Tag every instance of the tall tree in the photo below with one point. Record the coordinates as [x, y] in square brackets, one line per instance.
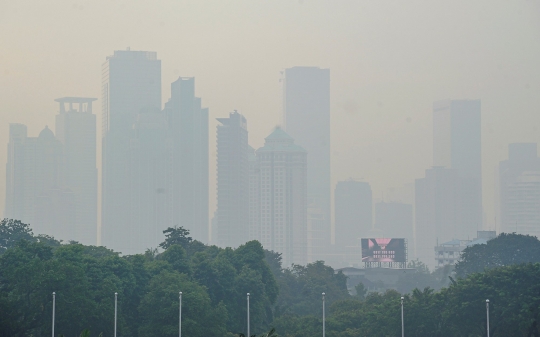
[12, 231]
[505, 250]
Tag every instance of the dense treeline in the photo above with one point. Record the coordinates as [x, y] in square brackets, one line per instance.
[214, 282]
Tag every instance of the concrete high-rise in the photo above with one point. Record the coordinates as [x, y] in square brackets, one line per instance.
[457, 145]
[519, 190]
[437, 211]
[34, 190]
[149, 176]
[254, 196]
[76, 131]
[307, 119]
[354, 212]
[283, 197]
[131, 84]
[188, 134]
[232, 181]
[395, 220]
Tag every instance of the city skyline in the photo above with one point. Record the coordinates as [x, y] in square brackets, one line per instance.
[384, 76]
[455, 122]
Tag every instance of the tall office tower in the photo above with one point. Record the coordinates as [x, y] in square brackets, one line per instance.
[317, 235]
[457, 145]
[188, 133]
[232, 181]
[519, 190]
[354, 212]
[131, 85]
[149, 181]
[307, 120]
[76, 130]
[283, 197]
[34, 191]
[395, 220]
[254, 196]
[437, 211]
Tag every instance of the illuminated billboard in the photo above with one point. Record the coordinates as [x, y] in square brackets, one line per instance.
[383, 250]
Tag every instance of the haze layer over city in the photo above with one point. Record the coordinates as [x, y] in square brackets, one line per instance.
[270, 168]
[387, 62]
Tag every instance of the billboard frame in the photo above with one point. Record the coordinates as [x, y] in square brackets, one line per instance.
[393, 265]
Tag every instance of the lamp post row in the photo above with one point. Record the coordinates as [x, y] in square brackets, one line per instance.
[248, 322]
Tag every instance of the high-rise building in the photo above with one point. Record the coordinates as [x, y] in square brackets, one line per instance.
[149, 181]
[436, 210]
[307, 119]
[354, 212]
[188, 133]
[76, 131]
[283, 197]
[254, 196]
[394, 220]
[232, 181]
[457, 145]
[131, 84]
[34, 190]
[519, 190]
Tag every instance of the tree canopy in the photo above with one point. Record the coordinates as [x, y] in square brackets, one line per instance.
[214, 282]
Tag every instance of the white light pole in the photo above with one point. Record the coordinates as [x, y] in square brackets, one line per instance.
[487, 313]
[115, 311]
[402, 324]
[180, 315]
[248, 335]
[323, 317]
[53, 310]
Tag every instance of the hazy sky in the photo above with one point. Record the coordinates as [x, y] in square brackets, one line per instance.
[389, 61]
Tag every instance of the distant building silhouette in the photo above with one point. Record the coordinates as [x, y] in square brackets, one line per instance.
[35, 193]
[283, 197]
[254, 196]
[76, 131]
[457, 145]
[131, 86]
[395, 220]
[353, 212]
[519, 190]
[232, 181]
[188, 134]
[149, 181]
[307, 119]
[437, 210]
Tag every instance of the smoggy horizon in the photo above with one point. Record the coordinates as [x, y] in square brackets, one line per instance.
[389, 62]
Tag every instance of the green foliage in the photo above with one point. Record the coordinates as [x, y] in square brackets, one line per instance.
[176, 236]
[215, 281]
[159, 308]
[361, 291]
[423, 278]
[11, 232]
[505, 250]
[301, 289]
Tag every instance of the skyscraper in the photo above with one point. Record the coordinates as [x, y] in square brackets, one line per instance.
[395, 220]
[457, 145]
[283, 197]
[307, 119]
[76, 131]
[254, 196]
[34, 191]
[354, 212]
[232, 181]
[188, 133]
[437, 212]
[519, 190]
[131, 85]
[149, 176]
